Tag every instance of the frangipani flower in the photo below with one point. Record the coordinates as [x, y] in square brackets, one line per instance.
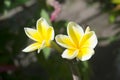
[79, 44]
[42, 35]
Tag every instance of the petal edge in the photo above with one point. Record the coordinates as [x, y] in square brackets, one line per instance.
[75, 32]
[64, 41]
[32, 47]
[69, 54]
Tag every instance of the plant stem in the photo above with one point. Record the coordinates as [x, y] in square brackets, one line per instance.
[73, 66]
[74, 70]
[55, 46]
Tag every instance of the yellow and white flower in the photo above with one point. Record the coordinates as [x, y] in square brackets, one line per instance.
[79, 44]
[42, 36]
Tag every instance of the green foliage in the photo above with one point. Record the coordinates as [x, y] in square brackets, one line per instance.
[45, 15]
[85, 70]
[116, 1]
[55, 67]
[46, 52]
[109, 6]
[6, 5]
[112, 18]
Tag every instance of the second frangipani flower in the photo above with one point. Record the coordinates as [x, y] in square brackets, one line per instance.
[79, 44]
[42, 36]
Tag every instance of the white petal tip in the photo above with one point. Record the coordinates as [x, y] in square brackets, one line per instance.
[71, 23]
[67, 56]
[87, 57]
[25, 50]
[41, 19]
[38, 51]
[25, 28]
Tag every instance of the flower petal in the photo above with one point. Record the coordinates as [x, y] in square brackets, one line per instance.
[75, 32]
[87, 30]
[85, 54]
[89, 40]
[33, 34]
[32, 47]
[42, 46]
[70, 54]
[42, 27]
[64, 41]
[50, 34]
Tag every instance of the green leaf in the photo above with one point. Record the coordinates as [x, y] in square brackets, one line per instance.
[46, 52]
[7, 3]
[45, 15]
[112, 18]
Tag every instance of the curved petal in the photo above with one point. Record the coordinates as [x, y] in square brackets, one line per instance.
[85, 54]
[50, 34]
[42, 46]
[75, 32]
[89, 40]
[32, 47]
[33, 34]
[87, 30]
[64, 41]
[70, 54]
[42, 27]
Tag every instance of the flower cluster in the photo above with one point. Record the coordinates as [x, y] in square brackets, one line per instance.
[78, 44]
